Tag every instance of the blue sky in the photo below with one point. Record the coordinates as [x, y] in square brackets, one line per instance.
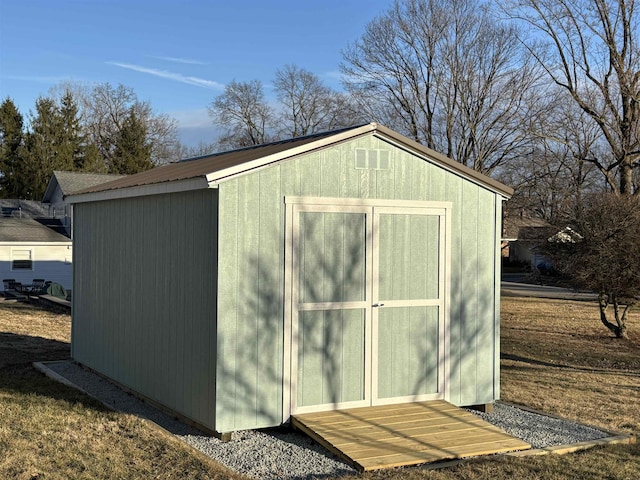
[178, 55]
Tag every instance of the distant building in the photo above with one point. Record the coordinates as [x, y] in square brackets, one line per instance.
[62, 184]
[30, 250]
[521, 235]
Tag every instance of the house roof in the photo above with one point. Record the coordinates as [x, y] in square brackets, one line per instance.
[70, 182]
[28, 230]
[523, 227]
[13, 207]
[208, 171]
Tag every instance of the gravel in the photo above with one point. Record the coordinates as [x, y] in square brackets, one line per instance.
[284, 454]
[539, 431]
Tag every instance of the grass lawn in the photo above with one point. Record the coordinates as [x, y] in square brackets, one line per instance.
[556, 358]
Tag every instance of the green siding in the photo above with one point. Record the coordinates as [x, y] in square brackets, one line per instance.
[144, 296]
[147, 270]
[249, 387]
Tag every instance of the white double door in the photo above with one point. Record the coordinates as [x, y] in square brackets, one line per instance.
[368, 310]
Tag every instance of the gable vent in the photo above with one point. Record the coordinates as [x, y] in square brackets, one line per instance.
[373, 159]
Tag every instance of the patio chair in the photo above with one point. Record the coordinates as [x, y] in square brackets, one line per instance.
[14, 291]
[7, 282]
[37, 285]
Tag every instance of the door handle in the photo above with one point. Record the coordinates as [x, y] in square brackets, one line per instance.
[378, 305]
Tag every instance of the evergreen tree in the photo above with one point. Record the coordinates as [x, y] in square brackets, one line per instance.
[46, 148]
[132, 153]
[93, 162]
[72, 141]
[11, 140]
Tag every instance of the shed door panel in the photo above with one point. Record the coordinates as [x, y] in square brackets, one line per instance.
[331, 327]
[408, 352]
[331, 357]
[408, 292]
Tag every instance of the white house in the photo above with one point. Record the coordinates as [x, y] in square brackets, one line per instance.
[31, 250]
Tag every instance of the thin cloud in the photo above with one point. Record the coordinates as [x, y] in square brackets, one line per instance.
[35, 78]
[188, 61]
[178, 77]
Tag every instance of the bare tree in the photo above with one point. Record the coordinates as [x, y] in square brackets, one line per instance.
[557, 172]
[307, 105]
[445, 73]
[200, 150]
[244, 114]
[591, 49]
[601, 252]
[105, 111]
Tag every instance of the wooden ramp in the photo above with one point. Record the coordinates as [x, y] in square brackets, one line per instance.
[386, 436]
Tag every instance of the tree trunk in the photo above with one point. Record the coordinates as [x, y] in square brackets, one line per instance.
[619, 329]
[626, 177]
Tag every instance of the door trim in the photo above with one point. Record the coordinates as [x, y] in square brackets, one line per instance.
[296, 204]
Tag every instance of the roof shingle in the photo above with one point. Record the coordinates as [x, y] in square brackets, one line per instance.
[25, 230]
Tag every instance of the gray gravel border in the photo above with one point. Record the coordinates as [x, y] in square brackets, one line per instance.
[290, 455]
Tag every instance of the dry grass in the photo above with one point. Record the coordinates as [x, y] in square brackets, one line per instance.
[49, 431]
[556, 357]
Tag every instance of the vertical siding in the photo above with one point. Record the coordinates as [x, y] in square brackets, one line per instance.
[145, 296]
[250, 330]
[252, 232]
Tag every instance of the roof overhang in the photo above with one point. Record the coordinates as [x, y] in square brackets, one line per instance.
[216, 176]
[445, 162]
[270, 160]
[196, 183]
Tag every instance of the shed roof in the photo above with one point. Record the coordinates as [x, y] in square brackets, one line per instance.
[207, 171]
[28, 230]
[70, 182]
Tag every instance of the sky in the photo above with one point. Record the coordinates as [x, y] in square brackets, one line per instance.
[178, 55]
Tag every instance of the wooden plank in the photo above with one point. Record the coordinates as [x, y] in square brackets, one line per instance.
[383, 433]
[394, 435]
[403, 459]
[425, 442]
[381, 411]
[358, 426]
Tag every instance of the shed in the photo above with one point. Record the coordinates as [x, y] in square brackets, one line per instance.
[349, 268]
[31, 250]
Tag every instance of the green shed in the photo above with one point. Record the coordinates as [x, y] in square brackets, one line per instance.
[349, 268]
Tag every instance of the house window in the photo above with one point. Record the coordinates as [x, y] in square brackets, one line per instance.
[21, 260]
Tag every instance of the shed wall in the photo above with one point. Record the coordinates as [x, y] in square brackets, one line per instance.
[144, 300]
[251, 262]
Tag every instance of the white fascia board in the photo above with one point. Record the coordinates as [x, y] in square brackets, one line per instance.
[197, 183]
[263, 162]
